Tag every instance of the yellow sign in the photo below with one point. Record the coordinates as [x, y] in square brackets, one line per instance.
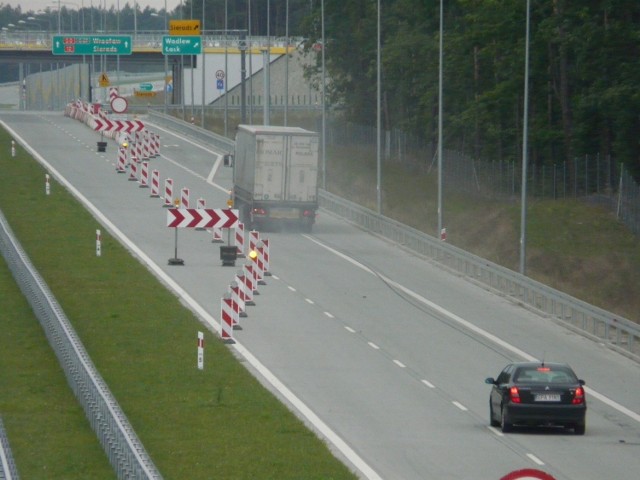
[142, 93]
[104, 80]
[184, 27]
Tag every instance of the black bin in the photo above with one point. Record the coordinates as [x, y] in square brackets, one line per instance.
[228, 255]
[102, 146]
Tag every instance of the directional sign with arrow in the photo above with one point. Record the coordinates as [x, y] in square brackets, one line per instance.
[181, 45]
[127, 126]
[91, 45]
[202, 218]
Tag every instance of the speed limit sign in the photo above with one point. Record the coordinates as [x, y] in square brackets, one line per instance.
[527, 474]
[220, 74]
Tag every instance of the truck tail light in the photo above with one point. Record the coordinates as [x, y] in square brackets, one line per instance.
[308, 213]
[578, 396]
[514, 395]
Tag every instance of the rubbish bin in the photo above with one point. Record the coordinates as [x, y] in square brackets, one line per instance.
[102, 146]
[228, 255]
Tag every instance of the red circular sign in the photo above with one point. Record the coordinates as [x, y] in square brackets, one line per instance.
[527, 473]
[119, 104]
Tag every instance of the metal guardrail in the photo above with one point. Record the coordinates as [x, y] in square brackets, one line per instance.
[8, 469]
[618, 332]
[198, 133]
[122, 446]
[615, 331]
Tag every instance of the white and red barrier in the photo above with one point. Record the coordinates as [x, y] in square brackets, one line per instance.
[184, 198]
[251, 272]
[266, 257]
[201, 204]
[122, 160]
[245, 282]
[133, 170]
[242, 296]
[239, 239]
[226, 319]
[258, 261]
[155, 184]
[236, 303]
[254, 238]
[144, 175]
[155, 144]
[168, 193]
[217, 235]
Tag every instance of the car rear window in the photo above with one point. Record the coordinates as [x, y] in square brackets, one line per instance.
[544, 375]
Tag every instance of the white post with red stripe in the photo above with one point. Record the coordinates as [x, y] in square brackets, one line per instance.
[237, 304]
[144, 175]
[156, 145]
[122, 160]
[251, 272]
[47, 185]
[168, 193]
[201, 204]
[184, 198]
[217, 235]
[200, 351]
[226, 319]
[245, 282]
[242, 296]
[259, 263]
[133, 170]
[155, 184]
[254, 238]
[266, 257]
[239, 239]
[98, 243]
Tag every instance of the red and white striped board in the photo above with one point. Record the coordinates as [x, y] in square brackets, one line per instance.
[184, 198]
[234, 289]
[155, 144]
[245, 282]
[242, 297]
[250, 271]
[239, 239]
[155, 184]
[122, 160]
[168, 193]
[266, 257]
[133, 170]
[226, 319]
[144, 175]
[216, 235]
[204, 218]
[201, 204]
[254, 238]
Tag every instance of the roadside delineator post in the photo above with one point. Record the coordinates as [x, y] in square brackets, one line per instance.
[47, 186]
[443, 234]
[168, 193]
[13, 148]
[200, 351]
[155, 184]
[98, 243]
[226, 319]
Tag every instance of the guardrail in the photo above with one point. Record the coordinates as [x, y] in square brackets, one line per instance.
[123, 448]
[8, 469]
[615, 331]
[193, 131]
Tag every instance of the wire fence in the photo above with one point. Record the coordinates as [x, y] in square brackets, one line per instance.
[126, 453]
[591, 177]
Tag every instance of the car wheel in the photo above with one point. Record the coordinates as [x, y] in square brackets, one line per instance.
[505, 425]
[579, 428]
[492, 418]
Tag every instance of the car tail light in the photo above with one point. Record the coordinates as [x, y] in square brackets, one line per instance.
[514, 395]
[578, 396]
[259, 211]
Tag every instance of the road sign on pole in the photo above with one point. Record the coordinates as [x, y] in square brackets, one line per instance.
[181, 45]
[91, 45]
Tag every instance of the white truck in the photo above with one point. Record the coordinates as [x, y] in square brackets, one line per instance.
[275, 176]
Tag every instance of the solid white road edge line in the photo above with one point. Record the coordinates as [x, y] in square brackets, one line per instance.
[470, 326]
[296, 403]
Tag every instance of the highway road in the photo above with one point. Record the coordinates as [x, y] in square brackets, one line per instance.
[384, 352]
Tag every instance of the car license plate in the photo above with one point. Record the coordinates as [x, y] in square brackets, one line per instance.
[547, 397]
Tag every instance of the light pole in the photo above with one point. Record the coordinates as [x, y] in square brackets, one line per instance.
[378, 119]
[440, 109]
[525, 142]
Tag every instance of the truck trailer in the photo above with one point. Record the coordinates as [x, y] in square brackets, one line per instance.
[275, 176]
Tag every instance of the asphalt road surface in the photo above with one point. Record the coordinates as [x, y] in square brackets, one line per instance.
[380, 351]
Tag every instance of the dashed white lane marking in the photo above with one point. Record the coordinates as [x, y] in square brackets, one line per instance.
[400, 364]
[309, 301]
[535, 459]
[496, 432]
[373, 345]
[349, 329]
[328, 314]
[291, 288]
[460, 406]
[428, 383]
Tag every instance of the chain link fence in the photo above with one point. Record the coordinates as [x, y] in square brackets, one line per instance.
[592, 178]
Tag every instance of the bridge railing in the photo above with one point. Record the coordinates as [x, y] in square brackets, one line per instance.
[123, 448]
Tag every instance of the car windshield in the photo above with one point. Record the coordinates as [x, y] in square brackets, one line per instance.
[544, 374]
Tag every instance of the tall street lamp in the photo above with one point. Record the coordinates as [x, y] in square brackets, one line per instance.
[525, 158]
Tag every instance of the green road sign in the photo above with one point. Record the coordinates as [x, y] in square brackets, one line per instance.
[91, 45]
[146, 87]
[181, 45]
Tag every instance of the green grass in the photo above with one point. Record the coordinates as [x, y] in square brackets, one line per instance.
[573, 246]
[219, 422]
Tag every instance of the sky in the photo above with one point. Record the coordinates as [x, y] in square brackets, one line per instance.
[36, 5]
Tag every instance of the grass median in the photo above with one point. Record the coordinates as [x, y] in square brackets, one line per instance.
[217, 423]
